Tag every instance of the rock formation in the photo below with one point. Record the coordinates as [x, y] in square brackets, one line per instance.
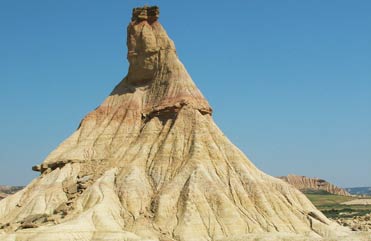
[313, 184]
[358, 223]
[150, 164]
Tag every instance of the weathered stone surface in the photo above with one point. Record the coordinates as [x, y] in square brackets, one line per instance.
[159, 168]
[358, 223]
[306, 183]
[146, 13]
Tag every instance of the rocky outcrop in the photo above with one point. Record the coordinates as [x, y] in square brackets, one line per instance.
[150, 164]
[304, 183]
[358, 223]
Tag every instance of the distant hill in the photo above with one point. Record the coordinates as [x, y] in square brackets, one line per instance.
[359, 190]
[310, 185]
[8, 190]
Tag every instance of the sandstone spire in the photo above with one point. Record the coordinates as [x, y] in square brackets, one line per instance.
[150, 164]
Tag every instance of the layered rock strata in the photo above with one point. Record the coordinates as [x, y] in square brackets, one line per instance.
[150, 164]
[304, 183]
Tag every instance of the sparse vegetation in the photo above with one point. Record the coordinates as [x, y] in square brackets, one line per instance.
[331, 205]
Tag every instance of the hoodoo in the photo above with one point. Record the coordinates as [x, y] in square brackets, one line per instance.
[150, 164]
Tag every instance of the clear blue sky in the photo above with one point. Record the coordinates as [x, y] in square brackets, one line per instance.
[289, 81]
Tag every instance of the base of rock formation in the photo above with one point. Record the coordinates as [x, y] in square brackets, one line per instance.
[358, 223]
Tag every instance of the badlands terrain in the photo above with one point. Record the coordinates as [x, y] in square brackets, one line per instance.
[150, 164]
[307, 184]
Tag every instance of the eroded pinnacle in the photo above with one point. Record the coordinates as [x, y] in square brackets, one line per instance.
[148, 13]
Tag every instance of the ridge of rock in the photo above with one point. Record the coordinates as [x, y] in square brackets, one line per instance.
[8, 190]
[304, 183]
[150, 164]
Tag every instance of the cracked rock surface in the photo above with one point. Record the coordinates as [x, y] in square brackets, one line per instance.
[150, 164]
